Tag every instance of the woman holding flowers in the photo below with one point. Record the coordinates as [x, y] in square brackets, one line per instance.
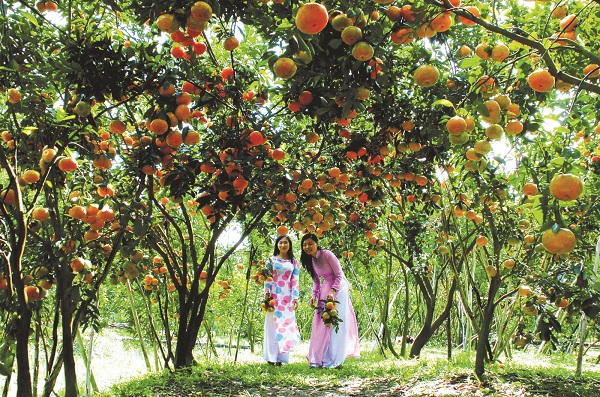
[281, 330]
[329, 346]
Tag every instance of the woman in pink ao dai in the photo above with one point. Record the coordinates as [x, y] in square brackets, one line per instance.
[329, 348]
[281, 330]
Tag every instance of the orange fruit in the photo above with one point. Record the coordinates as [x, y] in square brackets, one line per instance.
[591, 70]
[559, 12]
[174, 138]
[362, 51]
[459, 139]
[7, 196]
[158, 126]
[312, 137]
[278, 154]
[426, 75]
[560, 242]
[482, 147]
[568, 23]
[167, 23]
[31, 176]
[48, 154]
[493, 109]
[282, 230]
[514, 127]
[102, 162]
[77, 212]
[562, 302]
[530, 189]
[509, 263]
[524, 290]
[402, 36]
[541, 80]
[500, 52]
[312, 18]
[285, 67]
[201, 11]
[51, 6]
[67, 164]
[456, 125]
[40, 214]
[491, 270]
[117, 127]
[425, 30]
[351, 35]
[393, 13]
[474, 11]
[231, 43]
[191, 137]
[305, 98]
[481, 240]
[340, 21]
[14, 95]
[256, 138]
[566, 187]
[513, 110]
[441, 23]
[483, 51]
[463, 51]
[183, 112]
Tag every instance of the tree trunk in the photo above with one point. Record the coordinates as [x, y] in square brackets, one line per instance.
[187, 334]
[486, 326]
[429, 326]
[66, 308]
[24, 386]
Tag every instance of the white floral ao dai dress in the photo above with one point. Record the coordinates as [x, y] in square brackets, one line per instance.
[281, 330]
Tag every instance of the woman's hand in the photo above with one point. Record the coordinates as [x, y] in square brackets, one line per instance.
[312, 302]
[331, 294]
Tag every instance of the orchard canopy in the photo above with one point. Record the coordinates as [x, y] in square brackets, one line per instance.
[448, 152]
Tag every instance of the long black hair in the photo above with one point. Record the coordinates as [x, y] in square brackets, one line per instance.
[276, 250]
[306, 259]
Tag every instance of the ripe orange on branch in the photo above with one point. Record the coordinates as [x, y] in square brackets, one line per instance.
[561, 242]
[362, 51]
[284, 68]
[426, 75]
[566, 187]
[541, 80]
[312, 18]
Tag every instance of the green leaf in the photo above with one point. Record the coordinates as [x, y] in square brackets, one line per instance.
[444, 102]
[468, 63]
[31, 18]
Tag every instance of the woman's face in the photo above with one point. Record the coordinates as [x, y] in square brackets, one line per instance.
[284, 246]
[310, 247]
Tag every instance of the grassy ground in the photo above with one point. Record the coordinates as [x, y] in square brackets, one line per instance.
[527, 374]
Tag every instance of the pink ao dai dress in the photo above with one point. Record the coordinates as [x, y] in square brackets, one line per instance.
[329, 348]
[281, 330]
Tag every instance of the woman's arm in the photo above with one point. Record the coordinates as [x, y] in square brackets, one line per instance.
[336, 268]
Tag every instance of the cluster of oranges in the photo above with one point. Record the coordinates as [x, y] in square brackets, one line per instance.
[261, 275]
[185, 28]
[34, 292]
[268, 304]
[95, 217]
[329, 314]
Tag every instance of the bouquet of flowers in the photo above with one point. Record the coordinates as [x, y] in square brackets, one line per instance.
[268, 304]
[263, 273]
[329, 314]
